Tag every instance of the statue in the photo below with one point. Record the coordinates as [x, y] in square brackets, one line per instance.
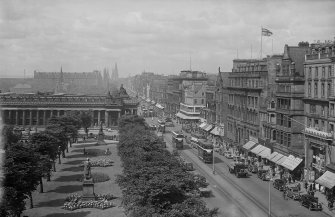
[87, 169]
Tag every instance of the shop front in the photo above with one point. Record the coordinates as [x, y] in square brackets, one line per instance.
[292, 167]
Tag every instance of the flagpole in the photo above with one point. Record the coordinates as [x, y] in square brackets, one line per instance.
[261, 40]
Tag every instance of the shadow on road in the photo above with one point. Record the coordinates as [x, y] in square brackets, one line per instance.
[85, 145]
[69, 178]
[52, 203]
[75, 214]
[74, 162]
[73, 169]
[67, 189]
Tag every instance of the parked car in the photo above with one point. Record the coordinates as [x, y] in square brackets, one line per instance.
[228, 155]
[279, 184]
[293, 192]
[238, 169]
[253, 168]
[263, 175]
[311, 202]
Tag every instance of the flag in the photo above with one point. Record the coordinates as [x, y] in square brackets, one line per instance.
[266, 32]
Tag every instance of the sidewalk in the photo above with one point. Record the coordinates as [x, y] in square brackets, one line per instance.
[321, 197]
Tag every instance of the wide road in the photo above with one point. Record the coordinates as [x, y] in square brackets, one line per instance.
[240, 196]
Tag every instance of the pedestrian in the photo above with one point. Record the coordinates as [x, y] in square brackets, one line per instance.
[84, 151]
[289, 179]
[306, 185]
[313, 185]
[310, 187]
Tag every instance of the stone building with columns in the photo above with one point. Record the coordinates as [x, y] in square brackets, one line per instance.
[32, 110]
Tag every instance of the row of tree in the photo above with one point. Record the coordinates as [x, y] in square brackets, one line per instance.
[26, 163]
[153, 182]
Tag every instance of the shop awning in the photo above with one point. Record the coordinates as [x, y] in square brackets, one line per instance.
[159, 106]
[202, 125]
[272, 155]
[327, 179]
[276, 158]
[258, 149]
[148, 100]
[215, 131]
[265, 153]
[249, 145]
[185, 117]
[291, 162]
[281, 160]
[209, 127]
[153, 102]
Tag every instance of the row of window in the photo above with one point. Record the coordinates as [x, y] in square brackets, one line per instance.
[323, 72]
[283, 120]
[324, 93]
[283, 88]
[279, 136]
[244, 82]
[244, 134]
[283, 103]
[234, 99]
[317, 124]
[243, 114]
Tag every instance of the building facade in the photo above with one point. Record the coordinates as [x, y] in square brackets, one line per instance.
[36, 109]
[319, 109]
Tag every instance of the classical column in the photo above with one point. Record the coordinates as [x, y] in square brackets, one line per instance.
[23, 117]
[30, 117]
[44, 117]
[37, 117]
[17, 117]
[99, 117]
[106, 118]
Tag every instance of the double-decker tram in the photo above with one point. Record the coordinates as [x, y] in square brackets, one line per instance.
[161, 126]
[177, 139]
[205, 151]
[195, 138]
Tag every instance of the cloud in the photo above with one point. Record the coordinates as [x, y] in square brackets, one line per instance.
[156, 35]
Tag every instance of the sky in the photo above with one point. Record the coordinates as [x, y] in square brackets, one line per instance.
[157, 36]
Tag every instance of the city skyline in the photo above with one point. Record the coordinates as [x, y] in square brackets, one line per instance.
[161, 37]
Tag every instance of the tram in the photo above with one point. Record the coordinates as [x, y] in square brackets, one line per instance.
[205, 151]
[177, 139]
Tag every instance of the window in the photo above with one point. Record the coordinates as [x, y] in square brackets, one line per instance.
[329, 71]
[323, 90]
[309, 122]
[328, 89]
[331, 110]
[323, 72]
[195, 101]
[316, 89]
[312, 109]
[288, 139]
[316, 72]
[289, 124]
[309, 88]
[322, 110]
[256, 102]
[202, 101]
[310, 73]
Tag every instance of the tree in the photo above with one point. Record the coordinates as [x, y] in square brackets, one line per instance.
[46, 145]
[22, 169]
[10, 137]
[12, 203]
[86, 121]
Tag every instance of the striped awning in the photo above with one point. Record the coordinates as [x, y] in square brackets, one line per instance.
[215, 131]
[202, 125]
[291, 162]
[258, 149]
[327, 179]
[249, 145]
[209, 127]
[272, 155]
[265, 153]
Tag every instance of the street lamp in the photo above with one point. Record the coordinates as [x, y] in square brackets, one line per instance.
[59, 152]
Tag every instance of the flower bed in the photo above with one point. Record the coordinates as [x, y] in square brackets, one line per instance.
[104, 162]
[74, 201]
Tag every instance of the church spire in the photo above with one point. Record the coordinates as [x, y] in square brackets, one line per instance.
[61, 78]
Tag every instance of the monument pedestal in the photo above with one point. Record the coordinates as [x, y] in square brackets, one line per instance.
[88, 189]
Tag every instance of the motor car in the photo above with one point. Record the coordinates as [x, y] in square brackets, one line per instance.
[279, 184]
[229, 155]
[238, 169]
[311, 202]
[293, 192]
[263, 175]
[253, 168]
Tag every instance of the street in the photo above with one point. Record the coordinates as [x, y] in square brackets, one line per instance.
[238, 196]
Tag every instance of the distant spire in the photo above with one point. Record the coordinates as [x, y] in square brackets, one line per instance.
[116, 73]
[61, 79]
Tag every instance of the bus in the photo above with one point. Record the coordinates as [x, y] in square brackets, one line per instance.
[205, 151]
[177, 139]
[195, 138]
